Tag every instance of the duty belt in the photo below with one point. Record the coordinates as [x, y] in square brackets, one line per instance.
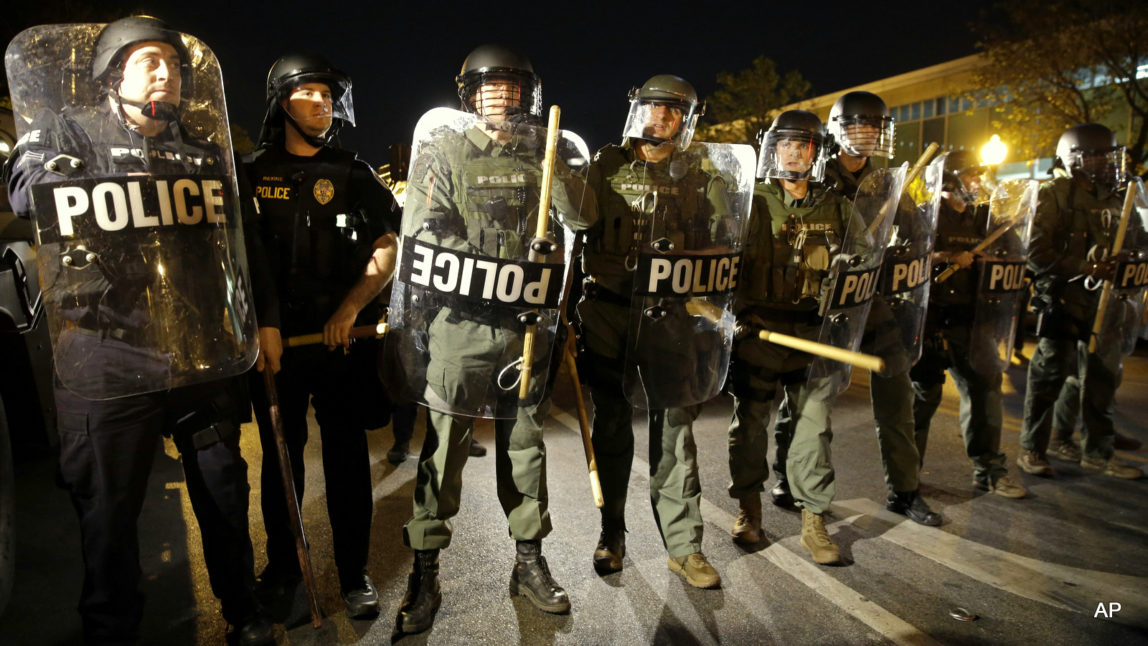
[594, 290]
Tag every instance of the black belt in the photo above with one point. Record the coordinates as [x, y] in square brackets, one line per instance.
[594, 290]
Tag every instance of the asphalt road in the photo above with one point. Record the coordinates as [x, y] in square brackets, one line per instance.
[1032, 571]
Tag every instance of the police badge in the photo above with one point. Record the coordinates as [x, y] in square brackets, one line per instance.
[324, 190]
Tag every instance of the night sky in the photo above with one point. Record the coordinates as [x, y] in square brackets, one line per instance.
[403, 58]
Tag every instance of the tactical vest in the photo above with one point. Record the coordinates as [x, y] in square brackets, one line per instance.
[784, 266]
[113, 149]
[497, 195]
[957, 232]
[317, 240]
[639, 202]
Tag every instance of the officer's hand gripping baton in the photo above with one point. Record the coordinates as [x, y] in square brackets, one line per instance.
[359, 332]
[293, 512]
[540, 234]
[1117, 246]
[952, 269]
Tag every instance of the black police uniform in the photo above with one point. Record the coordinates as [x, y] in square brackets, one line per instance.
[319, 217]
[107, 447]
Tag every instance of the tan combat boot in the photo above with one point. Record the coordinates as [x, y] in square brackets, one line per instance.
[815, 539]
[696, 569]
[747, 528]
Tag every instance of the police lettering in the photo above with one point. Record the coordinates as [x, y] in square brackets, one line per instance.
[1004, 276]
[651, 188]
[904, 276]
[1132, 274]
[855, 288]
[480, 278]
[156, 153]
[517, 178]
[687, 275]
[273, 192]
[114, 204]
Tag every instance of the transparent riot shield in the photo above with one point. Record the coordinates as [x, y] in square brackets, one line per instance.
[1000, 281]
[692, 222]
[906, 274]
[141, 253]
[472, 278]
[853, 273]
[1123, 317]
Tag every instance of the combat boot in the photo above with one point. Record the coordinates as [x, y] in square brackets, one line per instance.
[398, 452]
[611, 548]
[1110, 467]
[747, 528]
[781, 495]
[696, 569]
[1067, 451]
[531, 578]
[1034, 463]
[1000, 485]
[815, 539]
[423, 597]
[911, 504]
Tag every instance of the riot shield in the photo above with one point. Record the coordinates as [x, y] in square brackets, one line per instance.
[1124, 313]
[1000, 280]
[471, 277]
[685, 272]
[141, 253]
[853, 272]
[905, 275]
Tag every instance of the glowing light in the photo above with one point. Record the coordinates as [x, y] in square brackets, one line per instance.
[994, 152]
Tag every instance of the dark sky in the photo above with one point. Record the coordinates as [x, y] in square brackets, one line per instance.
[403, 56]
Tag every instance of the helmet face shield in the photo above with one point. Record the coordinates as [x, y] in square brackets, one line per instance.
[1102, 167]
[338, 93]
[793, 154]
[661, 121]
[863, 136]
[501, 94]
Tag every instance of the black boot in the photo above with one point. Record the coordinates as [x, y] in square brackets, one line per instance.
[780, 494]
[423, 598]
[531, 578]
[911, 504]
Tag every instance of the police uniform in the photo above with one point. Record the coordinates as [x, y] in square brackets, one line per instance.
[948, 346]
[1070, 219]
[319, 218]
[693, 203]
[107, 447]
[783, 289]
[449, 207]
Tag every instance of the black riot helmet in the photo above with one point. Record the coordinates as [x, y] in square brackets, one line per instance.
[293, 70]
[1090, 149]
[793, 148]
[117, 37]
[494, 63]
[861, 125]
[963, 174]
[673, 92]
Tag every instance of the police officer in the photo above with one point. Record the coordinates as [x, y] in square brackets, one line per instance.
[108, 439]
[862, 128]
[960, 226]
[1076, 220]
[327, 224]
[451, 204]
[795, 227]
[657, 133]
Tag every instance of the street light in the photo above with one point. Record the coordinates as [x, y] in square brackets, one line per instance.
[994, 152]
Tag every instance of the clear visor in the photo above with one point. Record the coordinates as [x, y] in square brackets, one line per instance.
[319, 99]
[661, 122]
[1101, 167]
[502, 95]
[864, 136]
[794, 155]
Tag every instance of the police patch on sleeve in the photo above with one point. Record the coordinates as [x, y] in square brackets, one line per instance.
[324, 190]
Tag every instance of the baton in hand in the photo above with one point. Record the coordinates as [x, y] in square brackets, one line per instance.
[1117, 247]
[360, 332]
[294, 513]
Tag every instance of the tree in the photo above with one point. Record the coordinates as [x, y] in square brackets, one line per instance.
[742, 104]
[1055, 63]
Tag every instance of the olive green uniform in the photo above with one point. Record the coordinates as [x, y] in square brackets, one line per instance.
[688, 207]
[454, 202]
[784, 293]
[1070, 219]
[947, 346]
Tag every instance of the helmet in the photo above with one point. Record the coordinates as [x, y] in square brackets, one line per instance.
[793, 148]
[667, 90]
[293, 70]
[118, 36]
[493, 62]
[862, 109]
[963, 174]
[1090, 149]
